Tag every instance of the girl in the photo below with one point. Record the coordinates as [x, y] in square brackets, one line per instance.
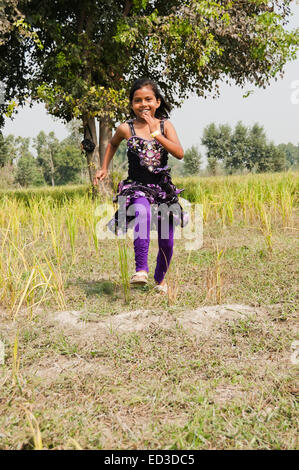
[150, 136]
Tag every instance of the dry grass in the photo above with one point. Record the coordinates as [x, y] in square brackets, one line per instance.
[214, 379]
[86, 367]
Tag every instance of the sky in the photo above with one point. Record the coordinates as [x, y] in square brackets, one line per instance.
[276, 108]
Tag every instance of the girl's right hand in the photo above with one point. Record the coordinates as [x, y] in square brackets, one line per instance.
[100, 175]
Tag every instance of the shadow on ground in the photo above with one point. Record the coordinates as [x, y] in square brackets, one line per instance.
[100, 287]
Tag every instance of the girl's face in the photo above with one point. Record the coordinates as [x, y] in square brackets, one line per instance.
[144, 101]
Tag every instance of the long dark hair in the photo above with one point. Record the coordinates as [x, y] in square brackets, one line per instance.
[164, 109]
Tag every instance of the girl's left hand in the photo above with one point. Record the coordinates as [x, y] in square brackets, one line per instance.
[151, 121]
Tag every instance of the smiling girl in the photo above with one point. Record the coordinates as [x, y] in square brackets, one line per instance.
[150, 137]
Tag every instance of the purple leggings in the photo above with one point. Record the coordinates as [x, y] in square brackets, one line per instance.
[141, 242]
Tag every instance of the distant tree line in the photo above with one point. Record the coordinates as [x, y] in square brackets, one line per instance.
[228, 151]
[55, 163]
[242, 149]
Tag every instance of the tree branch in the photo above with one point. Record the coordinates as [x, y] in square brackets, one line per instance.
[128, 6]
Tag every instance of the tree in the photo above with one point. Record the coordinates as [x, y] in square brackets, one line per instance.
[47, 147]
[68, 164]
[238, 158]
[192, 161]
[74, 139]
[291, 153]
[4, 156]
[257, 149]
[61, 162]
[209, 139]
[92, 50]
[7, 155]
[276, 159]
[12, 147]
[218, 142]
[16, 40]
[28, 172]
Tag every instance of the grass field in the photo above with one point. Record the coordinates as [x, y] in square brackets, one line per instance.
[91, 364]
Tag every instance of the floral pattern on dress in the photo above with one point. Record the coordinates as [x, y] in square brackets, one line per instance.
[149, 151]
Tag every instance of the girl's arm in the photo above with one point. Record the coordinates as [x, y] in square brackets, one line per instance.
[170, 141]
[120, 134]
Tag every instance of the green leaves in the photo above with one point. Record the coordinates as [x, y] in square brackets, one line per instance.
[10, 107]
[61, 60]
[126, 33]
[139, 5]
[25, 30]
[96, 101]
[248, 93]
[92, 51]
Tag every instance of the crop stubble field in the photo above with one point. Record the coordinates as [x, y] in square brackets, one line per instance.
[90, 364]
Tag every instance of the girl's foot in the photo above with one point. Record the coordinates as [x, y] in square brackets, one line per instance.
[162, 287]
[140, 278]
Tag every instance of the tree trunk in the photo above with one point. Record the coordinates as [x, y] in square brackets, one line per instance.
[105, 135]
[52, 169]
[92, 157]
[95, 159]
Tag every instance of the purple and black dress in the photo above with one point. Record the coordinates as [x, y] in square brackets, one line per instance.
[149, 177]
